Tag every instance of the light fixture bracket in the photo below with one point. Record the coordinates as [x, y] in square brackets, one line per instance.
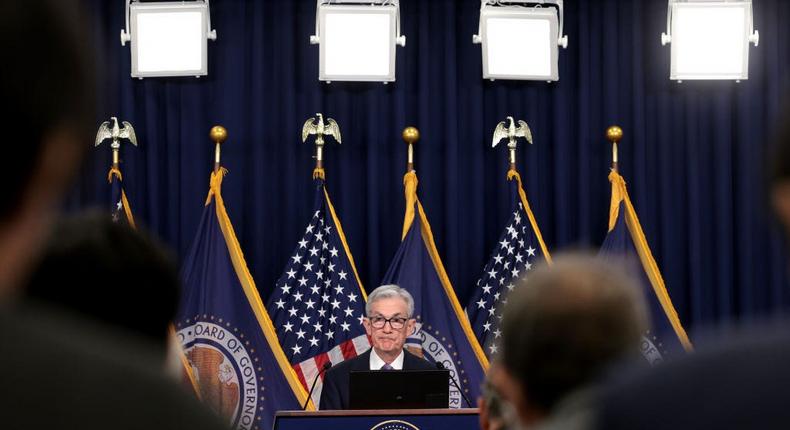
[666, 37]
[562, 39]
[400, 39]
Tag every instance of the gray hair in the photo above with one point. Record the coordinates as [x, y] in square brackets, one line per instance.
[388, 292]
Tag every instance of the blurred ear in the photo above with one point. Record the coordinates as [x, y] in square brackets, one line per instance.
[780, 198]
[511, 391]
[483, 417]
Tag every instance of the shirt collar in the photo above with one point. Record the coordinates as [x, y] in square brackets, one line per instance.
[376, 362]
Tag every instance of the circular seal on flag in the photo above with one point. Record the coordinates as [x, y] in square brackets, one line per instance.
[394, 425]
[650, 348]
[224, 369]
[428, 343]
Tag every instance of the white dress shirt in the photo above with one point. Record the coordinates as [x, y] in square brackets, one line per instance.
[376, 362]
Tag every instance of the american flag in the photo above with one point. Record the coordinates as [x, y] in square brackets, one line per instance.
[318, 304]
[519, 249]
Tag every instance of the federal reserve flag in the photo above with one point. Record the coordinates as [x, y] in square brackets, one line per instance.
[625, 244]
[443, 333]
[226, 333]
[318, 304]
[520, 247]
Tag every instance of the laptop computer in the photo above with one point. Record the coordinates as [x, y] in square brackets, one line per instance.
[399, 389]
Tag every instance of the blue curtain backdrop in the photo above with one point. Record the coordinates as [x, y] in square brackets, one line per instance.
[693, 153]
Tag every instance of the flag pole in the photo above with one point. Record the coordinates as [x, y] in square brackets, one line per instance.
[115, 157]
[410, 135]
[614, 134]
[218, 135]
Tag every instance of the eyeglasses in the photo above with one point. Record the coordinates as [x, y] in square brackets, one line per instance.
[396, 323]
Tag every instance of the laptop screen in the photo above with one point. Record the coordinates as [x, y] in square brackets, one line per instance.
[399, 389]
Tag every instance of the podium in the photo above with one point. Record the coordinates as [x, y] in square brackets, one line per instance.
[393, 419]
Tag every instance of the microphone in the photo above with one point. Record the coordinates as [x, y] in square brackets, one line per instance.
[323, 368]
[440, 366]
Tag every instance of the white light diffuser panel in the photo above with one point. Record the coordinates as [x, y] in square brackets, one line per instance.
[710, 40]
[168, 39]
[357, 43]
[520, 43]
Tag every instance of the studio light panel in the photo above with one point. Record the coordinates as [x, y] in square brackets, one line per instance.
[520, 43]
[357, 43]
[710, 40]
[168, 39]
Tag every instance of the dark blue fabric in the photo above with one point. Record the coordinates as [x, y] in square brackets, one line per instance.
[439, 336]
[660, 341]
[693, 153]
[238, 374]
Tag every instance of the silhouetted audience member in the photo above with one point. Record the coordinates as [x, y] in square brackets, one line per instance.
[109, 272]
[738, 383]
[562, 329]
[58, 372]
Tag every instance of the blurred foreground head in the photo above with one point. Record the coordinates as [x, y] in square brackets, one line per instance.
[111, 273]
[46, 85]
[561, 329]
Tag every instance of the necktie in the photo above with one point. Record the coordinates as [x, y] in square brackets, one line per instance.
[386, 366]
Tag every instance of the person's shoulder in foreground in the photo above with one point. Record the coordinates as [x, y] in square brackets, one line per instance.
[738, 384]
[62, 372]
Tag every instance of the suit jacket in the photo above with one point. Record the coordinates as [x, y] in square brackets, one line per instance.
[741, 384]
[62, 372]
[334, 394]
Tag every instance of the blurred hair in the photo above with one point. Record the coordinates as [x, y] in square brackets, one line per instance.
[566, 323]
[110, 272]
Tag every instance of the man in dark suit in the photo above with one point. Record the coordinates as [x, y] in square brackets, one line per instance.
[389, 321]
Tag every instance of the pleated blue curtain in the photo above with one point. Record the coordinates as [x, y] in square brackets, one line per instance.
[693, 153]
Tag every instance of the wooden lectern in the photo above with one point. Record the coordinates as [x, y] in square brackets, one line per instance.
[393, 419]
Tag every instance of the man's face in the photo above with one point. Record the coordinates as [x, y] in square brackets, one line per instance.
[389, 339]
